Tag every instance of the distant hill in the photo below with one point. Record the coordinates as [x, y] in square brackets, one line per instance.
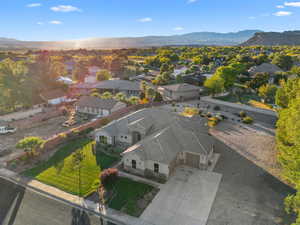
[197, 38]
[274, 38]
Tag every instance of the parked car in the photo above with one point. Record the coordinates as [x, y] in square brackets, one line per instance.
[7, 130]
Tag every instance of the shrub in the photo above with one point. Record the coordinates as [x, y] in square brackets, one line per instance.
[208, 115]
[242, 114]
[109, 176]
[247, 120]
[217, 108]
[213, 121]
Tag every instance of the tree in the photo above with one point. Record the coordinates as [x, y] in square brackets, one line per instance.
[80, 71]
[134, 100]
[158, 97]
[258, 80]
[288, 91]
[109, 176]
[143, 86]
[267, 92]
[30, 145]
[16, 87]
[288, 145]
[215, 85]
[179, 79]
[150, 93]
[295, 71]
[77, 159]
[103, 75]
[228, 74]
[58, 69]
[107, 95]
[120, 97]
[285, 62]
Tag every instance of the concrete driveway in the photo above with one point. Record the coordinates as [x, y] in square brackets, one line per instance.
[186, 199]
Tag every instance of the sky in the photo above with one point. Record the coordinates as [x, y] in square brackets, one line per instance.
[49, 20]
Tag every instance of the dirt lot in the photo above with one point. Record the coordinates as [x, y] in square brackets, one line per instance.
[43, 129]
[255, 142]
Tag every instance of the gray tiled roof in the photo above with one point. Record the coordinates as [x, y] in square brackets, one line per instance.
[265, 68]
[95, 102]
[118, 84]
[167, 134]
[181, 87]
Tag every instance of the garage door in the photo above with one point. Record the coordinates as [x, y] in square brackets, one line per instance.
[192, 160]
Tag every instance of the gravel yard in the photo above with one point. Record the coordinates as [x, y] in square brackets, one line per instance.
[254, 142]
[43, 129]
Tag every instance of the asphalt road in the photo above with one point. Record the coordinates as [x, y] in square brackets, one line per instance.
[247, 194]
[19, 206]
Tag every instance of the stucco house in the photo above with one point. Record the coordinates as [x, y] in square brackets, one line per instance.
[129, 88]
[269, 68]
[97, 106]
[158, 141]
[54, 97]
[264, 68]
[179, 91]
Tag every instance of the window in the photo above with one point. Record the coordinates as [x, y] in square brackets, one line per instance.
[156, 168]
[103, 139]
[133, 164]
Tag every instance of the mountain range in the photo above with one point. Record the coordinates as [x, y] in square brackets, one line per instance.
[274, 38]
[196, 38]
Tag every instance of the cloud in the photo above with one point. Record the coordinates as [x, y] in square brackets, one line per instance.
[65, 8]
[192, 1]
[282, 13]
[251, 17]
[178, 28]
[40, 23]
[145, 20]
[292, 4]
[280, 6]
[56, 22]
[34, 5]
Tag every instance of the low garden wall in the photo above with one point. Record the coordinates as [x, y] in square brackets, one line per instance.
[263, 115]
[84, 129]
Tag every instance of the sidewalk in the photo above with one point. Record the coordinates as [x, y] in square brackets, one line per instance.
[40, 186]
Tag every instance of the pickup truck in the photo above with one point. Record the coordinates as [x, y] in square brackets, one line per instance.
[7, 130]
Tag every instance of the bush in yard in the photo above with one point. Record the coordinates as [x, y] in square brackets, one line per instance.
[247, 120]
[213, 121]
[109, 176]
[30, 145]
[242, 114]
[217, 108]
[208, 115]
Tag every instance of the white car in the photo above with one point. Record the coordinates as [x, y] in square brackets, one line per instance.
[7, 130]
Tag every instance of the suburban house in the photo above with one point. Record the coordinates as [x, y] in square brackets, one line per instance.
[91, 77]
[179, 71]
[264, 68]
[65, 80]
[179, 91]
[194, 79]
[70, 65]
[97, 106]
[54, 97]
[129, 88]
[159, 141]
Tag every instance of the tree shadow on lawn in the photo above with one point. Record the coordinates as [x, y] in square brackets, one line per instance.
[58, 158]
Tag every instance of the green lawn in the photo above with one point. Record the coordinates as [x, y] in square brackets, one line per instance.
[59, 170]
[127, 193]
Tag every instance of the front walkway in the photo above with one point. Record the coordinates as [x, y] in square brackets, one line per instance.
[186, 199]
